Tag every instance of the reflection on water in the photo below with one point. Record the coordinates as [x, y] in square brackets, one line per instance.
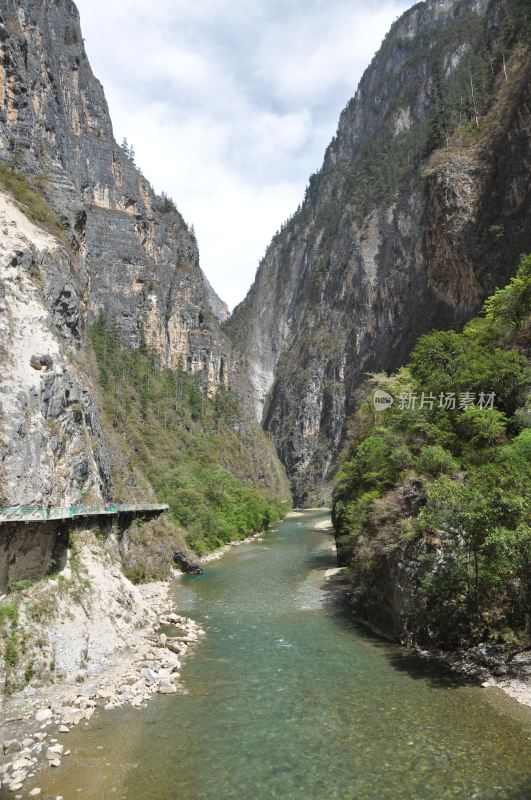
[286, 699]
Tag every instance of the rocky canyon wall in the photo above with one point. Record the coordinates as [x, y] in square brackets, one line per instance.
[82, 232]
[421, 208]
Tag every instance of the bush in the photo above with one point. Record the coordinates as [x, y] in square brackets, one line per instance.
[482, 427]
[435, 460]
[20, 586]
[520, 447]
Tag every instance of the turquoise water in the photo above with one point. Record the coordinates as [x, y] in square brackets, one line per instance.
[287, 699]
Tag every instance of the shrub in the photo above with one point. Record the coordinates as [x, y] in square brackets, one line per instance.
[520, 447]
[482, 427]
[20, 586]
[435, 460]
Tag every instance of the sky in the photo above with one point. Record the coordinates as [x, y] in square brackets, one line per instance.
[230, 105]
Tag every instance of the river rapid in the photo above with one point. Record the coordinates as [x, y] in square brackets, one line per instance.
[286, 698]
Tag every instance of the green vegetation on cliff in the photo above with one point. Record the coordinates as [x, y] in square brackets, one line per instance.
[213, 467]
[469, 67]
[440, 494]
[27, 191]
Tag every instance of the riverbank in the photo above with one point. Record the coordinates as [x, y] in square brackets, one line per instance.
[93, 640]
[220, 552]
[490, 666]
[144, 653]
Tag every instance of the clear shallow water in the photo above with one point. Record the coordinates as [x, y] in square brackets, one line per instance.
[288, 700]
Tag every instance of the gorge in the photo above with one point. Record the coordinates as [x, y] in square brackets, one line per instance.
[125, 382]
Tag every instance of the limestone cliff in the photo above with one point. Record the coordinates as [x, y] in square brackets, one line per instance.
[51, 446]
[422, 206]
[134, 253]
[82, 231]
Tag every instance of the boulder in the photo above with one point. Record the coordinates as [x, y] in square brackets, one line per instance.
[71, 716]
[149, 664]
[166, 687]
[87, 691]
[149, 676]
[176, 646]
[44, 714]
[21, 763]
[41, 362]
[11, 746]
[105, 694]
[187, 562]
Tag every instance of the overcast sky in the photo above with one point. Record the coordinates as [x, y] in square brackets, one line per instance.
[230, 105]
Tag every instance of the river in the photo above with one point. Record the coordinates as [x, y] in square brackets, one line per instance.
[287, 699]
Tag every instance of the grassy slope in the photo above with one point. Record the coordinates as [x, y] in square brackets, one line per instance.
[28, 194]
[198, 454]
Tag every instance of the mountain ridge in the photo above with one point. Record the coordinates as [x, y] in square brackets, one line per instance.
[113, 247]
[422, 202]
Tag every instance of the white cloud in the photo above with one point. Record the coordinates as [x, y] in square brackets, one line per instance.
[230, 105]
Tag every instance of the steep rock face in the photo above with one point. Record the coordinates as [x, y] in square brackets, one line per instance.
[103, 242]
[52, 450]
[389, 244]
[136, 257]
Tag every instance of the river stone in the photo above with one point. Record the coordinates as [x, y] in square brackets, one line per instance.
[149, 664]
[11, 746]
[149, 676]
[500, 670]
[20, 763]
[71, 716]
[43, 714]
[166, 686]
[87, 691]
[35, 792]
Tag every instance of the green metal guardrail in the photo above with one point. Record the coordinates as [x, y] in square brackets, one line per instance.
[36, 514]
